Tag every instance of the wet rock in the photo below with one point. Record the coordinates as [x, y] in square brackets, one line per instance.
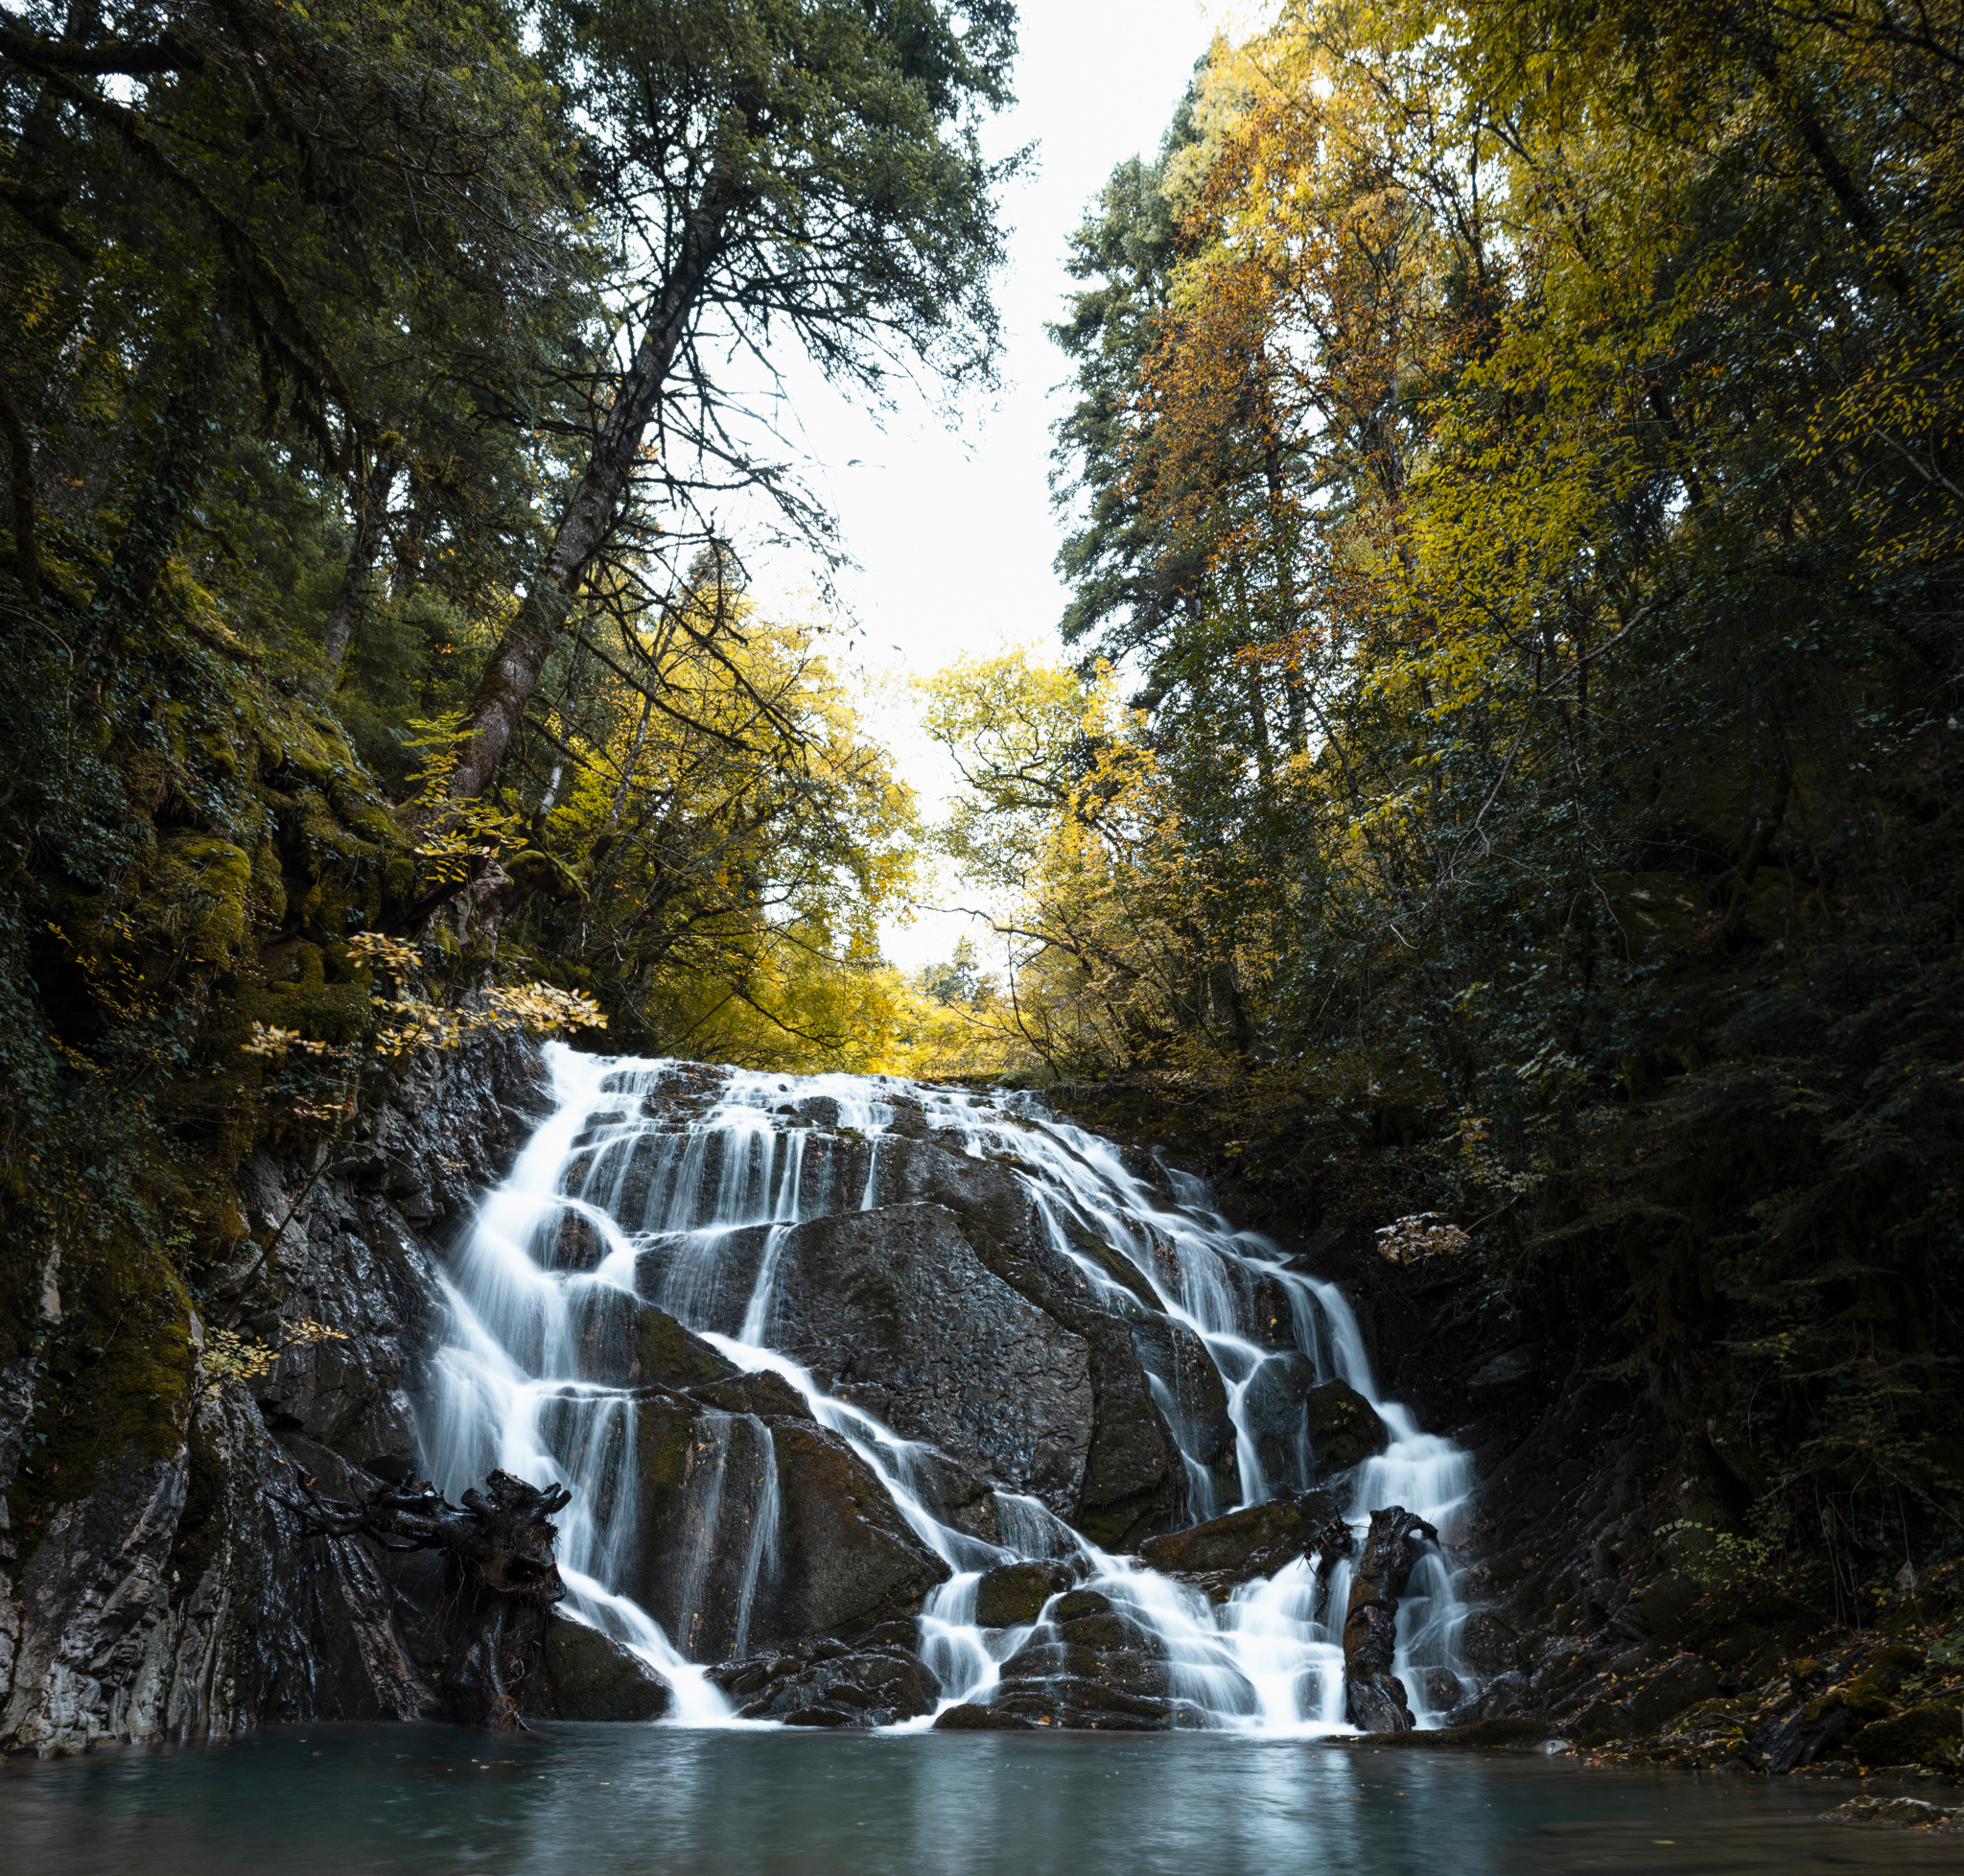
[624, 1342]
[757, 1532]
[1343, 1427]
[1193, 1398]
[1489, 1643]
[1501, 1697]
[896, 1313]
[1256, 1542]
[1374, 1698]
[848, 1559]
[971, 1718]
[1076, 1603]
[589, 1676]
[1275, 1408]
[1895, 1813]
[1135, 1480]
[1083, 1704]
[1013, 1594]
[1106, 1630]
[824, 1684]
[955, 1494]
[575, 1245]
[762, 1393]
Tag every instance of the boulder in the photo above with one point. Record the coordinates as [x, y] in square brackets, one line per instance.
[971, 1718]
[759, 1532]
[1242, 1545]
[1273, 1412]
[826, 1685]
[1013, 1594]
[584, 1674]
[1343, 1427]
[1085, 1688]
[847, 1558]
[571, 1243]
[762, 1393]
[896, 1313]
[1927, 1734]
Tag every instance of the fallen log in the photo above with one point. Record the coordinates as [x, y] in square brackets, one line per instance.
[1373, 1697]
[503, 1580]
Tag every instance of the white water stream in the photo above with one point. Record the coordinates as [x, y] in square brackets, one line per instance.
[508, 1390]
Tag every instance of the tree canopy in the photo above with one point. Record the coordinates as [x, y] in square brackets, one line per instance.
[1515, 478]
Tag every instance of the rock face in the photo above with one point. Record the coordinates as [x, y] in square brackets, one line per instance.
[896, 1313]
[178, 1594]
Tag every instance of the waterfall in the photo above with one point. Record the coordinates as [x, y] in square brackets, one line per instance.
[667, 1183]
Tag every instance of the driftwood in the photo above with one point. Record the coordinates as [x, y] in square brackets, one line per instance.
[1331, 1544]
[1373, 1696]
[502, 1579]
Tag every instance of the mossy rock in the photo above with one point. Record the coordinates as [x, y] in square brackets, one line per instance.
[1343, 1427]
[589, 1676]
[1226, 1543]
[1013, 1594]
[1930, 1734]
[198, 901]
[669, 1352]
[321, 1013]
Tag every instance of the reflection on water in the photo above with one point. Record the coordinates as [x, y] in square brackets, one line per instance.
[582, 1801]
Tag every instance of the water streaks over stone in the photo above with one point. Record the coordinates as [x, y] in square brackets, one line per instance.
[850, 1375]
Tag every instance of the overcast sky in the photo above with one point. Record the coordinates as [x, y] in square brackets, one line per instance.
[952, 529]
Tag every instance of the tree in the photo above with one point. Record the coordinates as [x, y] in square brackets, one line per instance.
[809, 168]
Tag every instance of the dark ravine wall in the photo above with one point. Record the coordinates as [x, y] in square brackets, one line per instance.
[1603, 1608]
[181, 1596]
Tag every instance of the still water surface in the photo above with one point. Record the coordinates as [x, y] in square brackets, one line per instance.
[619, 1801]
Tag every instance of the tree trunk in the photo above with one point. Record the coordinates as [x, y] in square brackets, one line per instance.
[502, 1579]
[368, 518]
[21, 487]
[512, 673]
[1373, 1696]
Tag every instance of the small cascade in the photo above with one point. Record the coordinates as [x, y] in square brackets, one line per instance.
[687, 1189]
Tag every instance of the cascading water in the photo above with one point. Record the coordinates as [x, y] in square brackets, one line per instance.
[658, 1214]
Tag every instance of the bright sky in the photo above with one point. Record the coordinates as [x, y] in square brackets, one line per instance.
[953, 529]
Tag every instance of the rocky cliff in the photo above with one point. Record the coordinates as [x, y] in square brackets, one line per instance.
[177, 1592]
